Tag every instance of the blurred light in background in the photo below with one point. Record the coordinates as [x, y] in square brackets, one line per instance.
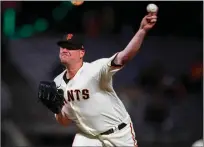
[9, 22]
[9, 4]
[77, 2]
[26, 30]
[60, 12]
[67, 3]
[40, 25]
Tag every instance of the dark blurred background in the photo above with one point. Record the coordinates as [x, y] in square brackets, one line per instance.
[161, 87]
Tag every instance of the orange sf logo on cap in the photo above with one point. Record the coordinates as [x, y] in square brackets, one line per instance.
[69, 36]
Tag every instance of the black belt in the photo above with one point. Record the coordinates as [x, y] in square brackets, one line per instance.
[110, 131]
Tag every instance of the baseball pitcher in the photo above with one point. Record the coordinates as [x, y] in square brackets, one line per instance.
[84, 94]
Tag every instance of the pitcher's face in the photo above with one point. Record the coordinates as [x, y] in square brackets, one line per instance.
[68, 56]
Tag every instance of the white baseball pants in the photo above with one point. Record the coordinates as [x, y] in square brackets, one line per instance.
[123, 137]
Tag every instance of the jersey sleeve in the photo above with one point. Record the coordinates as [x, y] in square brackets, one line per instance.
[106, 66]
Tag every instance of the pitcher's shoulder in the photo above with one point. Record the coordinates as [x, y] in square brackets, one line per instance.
[97, 63]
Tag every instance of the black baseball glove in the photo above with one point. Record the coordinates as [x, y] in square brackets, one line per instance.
[50, 96]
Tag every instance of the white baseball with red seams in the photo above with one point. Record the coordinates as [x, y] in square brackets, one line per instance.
[152, 8]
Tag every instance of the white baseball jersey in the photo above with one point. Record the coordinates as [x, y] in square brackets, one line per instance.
[91, 100]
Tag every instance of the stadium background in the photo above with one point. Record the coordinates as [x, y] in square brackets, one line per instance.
[161, 88]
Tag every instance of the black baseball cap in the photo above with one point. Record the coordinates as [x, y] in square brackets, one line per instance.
[71, 41]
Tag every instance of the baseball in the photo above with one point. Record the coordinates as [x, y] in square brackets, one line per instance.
[152, 8]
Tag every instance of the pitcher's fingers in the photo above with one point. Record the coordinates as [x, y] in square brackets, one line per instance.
[151, 17]
[153, 20]
[152, 13]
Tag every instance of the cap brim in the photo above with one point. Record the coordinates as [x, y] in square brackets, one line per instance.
[66, 44]
[61, 43]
